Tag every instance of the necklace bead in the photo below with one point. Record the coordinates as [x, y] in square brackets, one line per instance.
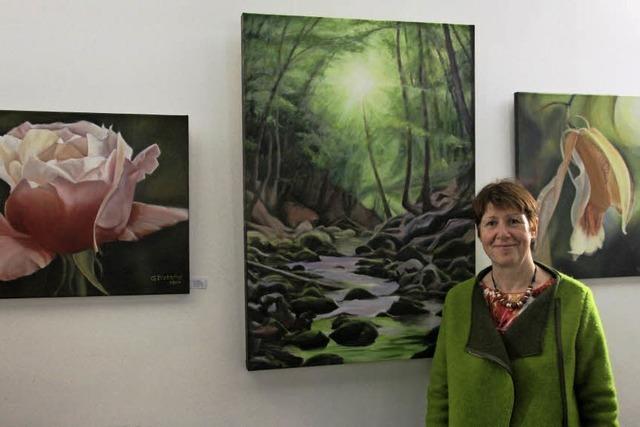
[503, 299]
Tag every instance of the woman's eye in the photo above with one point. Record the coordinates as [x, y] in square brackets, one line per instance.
[516, 221]
[490, 223]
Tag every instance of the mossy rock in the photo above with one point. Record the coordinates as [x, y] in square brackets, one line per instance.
[340, 320]
[285, 245]
[303, 255]
[359, 293]
[411, 265]
[385, 241]
[376, 270]
[344, 234]
[355, 333]
[273, 284]
[324, 359]
[318, 241]
[259, 240]
[312, 291]
[414, 291]
[455, 247]
[409, 279]
[405, 306]
[284, 356]
[275, 260]
[308, 340]
[363, 250]
[313, 304]
[410, 252]
[382, 253]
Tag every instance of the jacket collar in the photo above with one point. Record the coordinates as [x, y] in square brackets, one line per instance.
[523, 338]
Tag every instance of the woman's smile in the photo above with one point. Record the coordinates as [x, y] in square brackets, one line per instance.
[506, 235]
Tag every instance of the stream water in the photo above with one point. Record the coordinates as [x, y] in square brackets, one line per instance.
[399, 337]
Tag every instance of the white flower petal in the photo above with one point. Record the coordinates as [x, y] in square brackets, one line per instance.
[39, 172]
[582, 243]
[84, 169]
[8, 154]
[10, 144]
[15, 172]
[35, 142]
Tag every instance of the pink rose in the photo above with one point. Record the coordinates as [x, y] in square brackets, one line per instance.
[72, 188]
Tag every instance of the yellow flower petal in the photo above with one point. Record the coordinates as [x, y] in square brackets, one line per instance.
[35, 142]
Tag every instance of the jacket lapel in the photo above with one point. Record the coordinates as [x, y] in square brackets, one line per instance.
[484, 340]
[524, 337]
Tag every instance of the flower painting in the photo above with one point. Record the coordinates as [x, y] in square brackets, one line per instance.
[358, 142]
[578, 154]
[94, 204]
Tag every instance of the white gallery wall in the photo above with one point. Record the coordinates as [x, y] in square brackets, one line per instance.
[179, 360]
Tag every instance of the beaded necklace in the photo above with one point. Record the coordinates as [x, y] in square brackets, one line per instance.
[503, 299]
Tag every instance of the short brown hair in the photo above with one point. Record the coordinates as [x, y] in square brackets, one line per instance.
[505, 194]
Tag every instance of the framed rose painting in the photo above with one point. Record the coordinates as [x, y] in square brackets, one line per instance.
[93, 204]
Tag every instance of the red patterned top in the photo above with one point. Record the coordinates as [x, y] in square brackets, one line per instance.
[502, 316]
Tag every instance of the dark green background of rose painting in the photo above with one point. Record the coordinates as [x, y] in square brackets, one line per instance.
[128, 268]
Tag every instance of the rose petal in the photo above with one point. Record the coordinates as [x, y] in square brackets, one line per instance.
[20, 131]
[35, 142]
[15, 171]
[20, 255]
[67, 151]
[9, 146]
[147, 161]
[105, 146]
[8, 153]
[59, 216]
[146, 219]
[81, 127]
[116, 207]
[84, 169]
[39, 172]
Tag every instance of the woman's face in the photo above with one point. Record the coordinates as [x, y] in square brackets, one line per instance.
[506, 236]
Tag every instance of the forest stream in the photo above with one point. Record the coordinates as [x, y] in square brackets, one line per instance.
[332, 295]
[398, 338]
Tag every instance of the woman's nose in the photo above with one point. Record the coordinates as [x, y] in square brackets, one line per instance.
[502, 230]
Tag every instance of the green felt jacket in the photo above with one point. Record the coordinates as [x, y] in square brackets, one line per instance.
[550, 368]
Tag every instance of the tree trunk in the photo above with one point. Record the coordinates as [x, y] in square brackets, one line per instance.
[426, 181]
[315, 72]
[456, 106]
[406, 202]
[323, 199]
[273, 196]
[274, 90]
[456, 84]
[264, 185]
[467, 55]
[383, 197]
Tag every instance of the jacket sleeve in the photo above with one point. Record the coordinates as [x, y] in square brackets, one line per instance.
[438, 390]
[594, 385]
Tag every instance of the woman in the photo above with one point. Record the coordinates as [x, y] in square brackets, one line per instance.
[521, 344]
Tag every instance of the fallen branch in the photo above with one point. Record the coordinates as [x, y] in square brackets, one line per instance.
[292, 275]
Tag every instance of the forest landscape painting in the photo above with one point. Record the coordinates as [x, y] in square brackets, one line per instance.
[358, 148]
[578, 154]
[93, 204]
